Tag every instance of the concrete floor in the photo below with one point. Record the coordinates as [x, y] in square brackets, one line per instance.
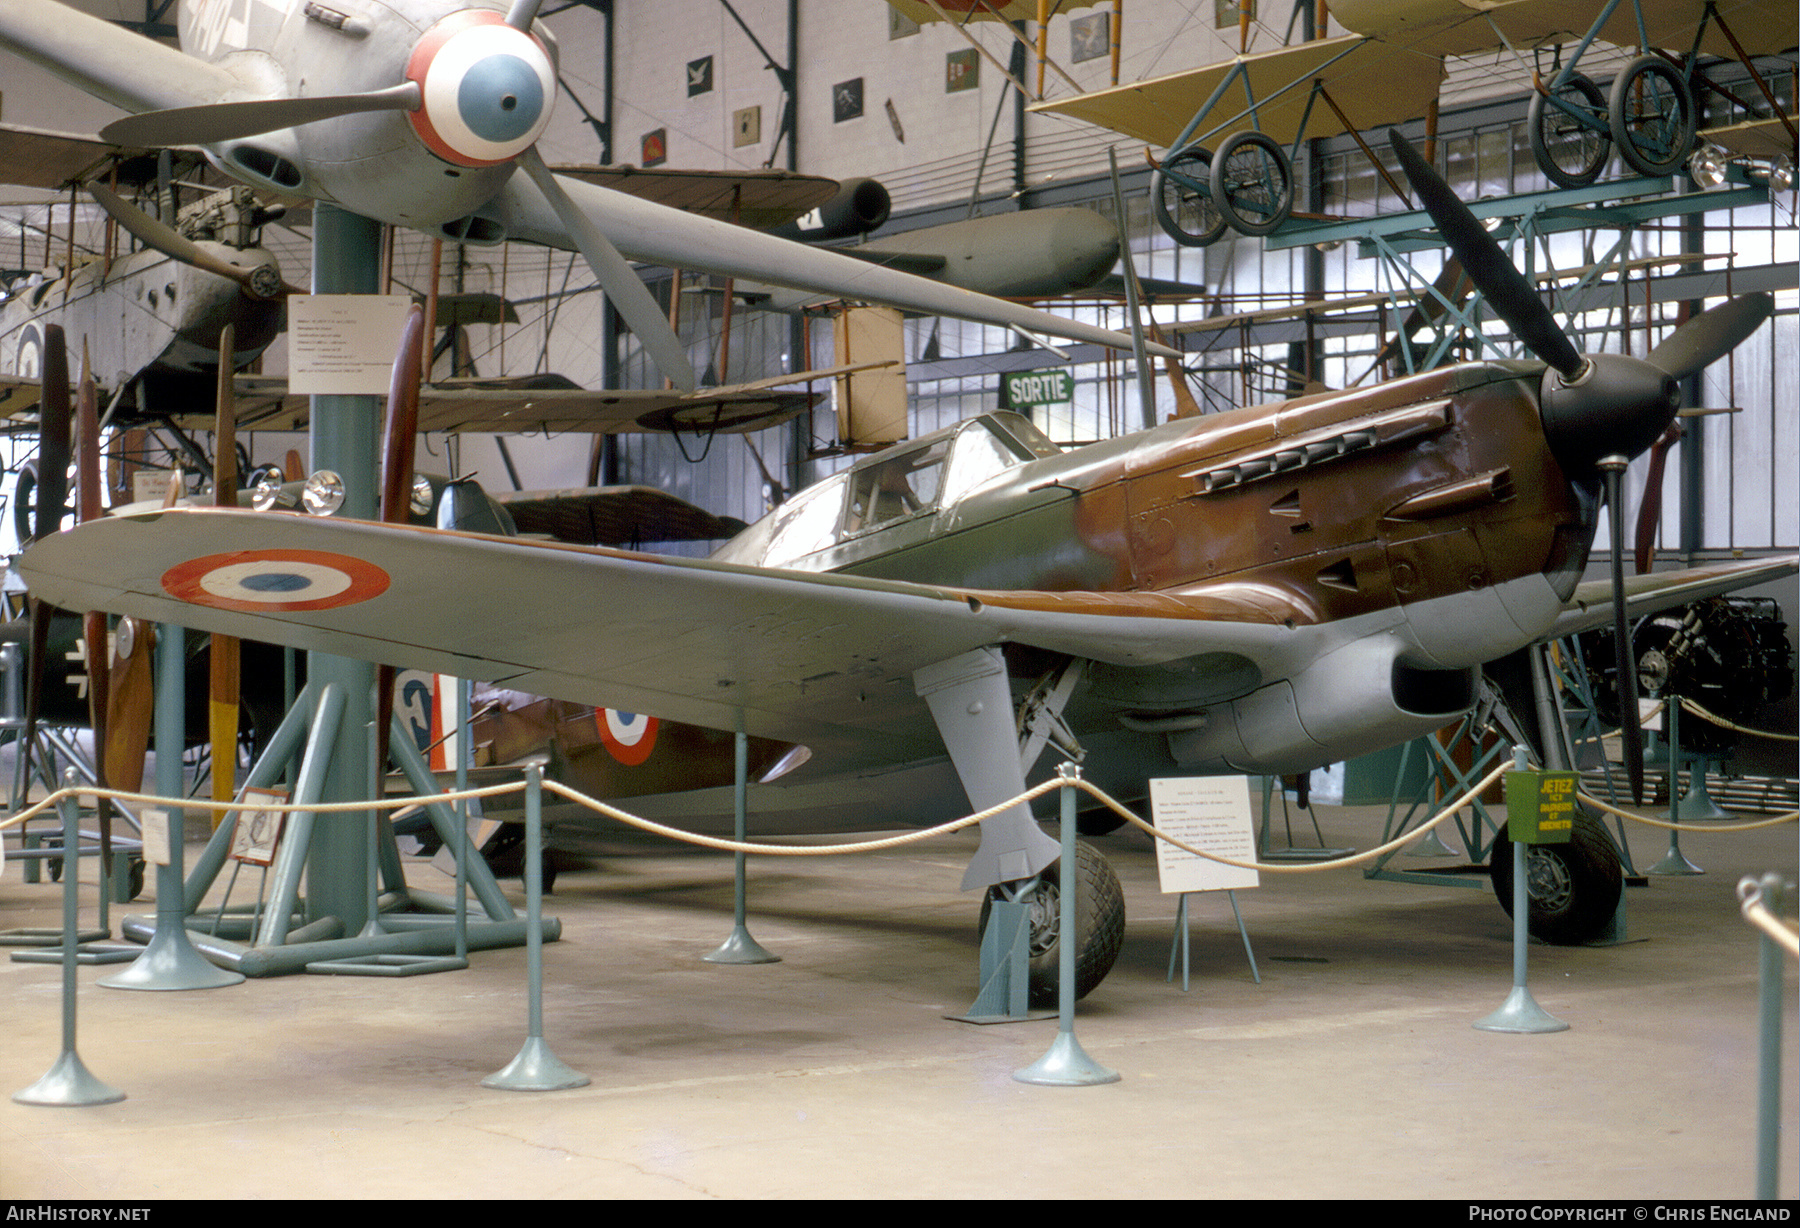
[1351, 1071]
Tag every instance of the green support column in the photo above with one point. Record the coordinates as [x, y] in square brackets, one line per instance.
[343, 437]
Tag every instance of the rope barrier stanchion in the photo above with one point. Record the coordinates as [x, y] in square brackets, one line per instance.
[1673, 863]
[1520, 1013]
[68, 1082]
[739, 947]
[535, 1068]
[1067, 1064]
[1761, 901]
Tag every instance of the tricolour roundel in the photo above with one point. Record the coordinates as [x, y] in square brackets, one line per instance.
[628, 736]
[486, 89]
[275, 580]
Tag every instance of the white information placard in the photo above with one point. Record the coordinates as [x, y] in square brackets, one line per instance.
[343, 344]
[154, 827]
[1211, 813]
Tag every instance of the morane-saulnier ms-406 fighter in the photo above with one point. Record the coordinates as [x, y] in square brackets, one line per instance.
[1263, 591]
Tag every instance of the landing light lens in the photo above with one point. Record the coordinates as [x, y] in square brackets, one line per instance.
[1708, 166]
[323, 494]
[267, 490]
[422, 495]
[1781, 175]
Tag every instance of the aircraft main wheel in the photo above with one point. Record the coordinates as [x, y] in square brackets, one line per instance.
[1652, 115]
[1181, 198]
[1570, 153]
[1099, 920]
[1573, 888]
[1252, 183]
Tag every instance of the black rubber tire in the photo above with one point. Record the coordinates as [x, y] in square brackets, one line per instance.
[1654, 132]
[1185, 212]
[1574, 887]
[1570, 154]
[1099, 918]
[1252, 183]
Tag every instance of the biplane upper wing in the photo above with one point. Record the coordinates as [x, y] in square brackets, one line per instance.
[1372, 83]
[1592, 604]
[826, 660]
[1461, 27]
[518, 407]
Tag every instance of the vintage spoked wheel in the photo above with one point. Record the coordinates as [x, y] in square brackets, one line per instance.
[1252, 183]
[1651, 111]
[1099, 922]
[1181, 198]
[1569, 152]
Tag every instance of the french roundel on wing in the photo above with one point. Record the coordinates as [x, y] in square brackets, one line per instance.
[485, 87]
[628, 737]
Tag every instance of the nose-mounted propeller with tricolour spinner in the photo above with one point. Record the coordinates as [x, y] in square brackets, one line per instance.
[1598, 410]
[478, 91]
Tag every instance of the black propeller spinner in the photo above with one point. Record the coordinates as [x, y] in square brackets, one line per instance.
[1598, 410]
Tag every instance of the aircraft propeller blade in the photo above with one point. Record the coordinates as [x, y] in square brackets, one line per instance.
[1631, 733]
[399, 438]
[1505, 288]
[88, 507]
[1650, 509]
[1690, 349]
[52, 493]
[622, 286]
[1597, 411]
[224, 656]
[263, 281]
[523, 13]
[130, 703]
[231, 121]
[1711, 335]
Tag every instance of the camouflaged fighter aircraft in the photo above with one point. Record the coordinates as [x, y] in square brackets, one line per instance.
[418, 113]
[1263, 591]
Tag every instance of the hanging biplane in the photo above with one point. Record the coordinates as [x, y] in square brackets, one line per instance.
[426, 114]
[1262, 591]
[1231, 130]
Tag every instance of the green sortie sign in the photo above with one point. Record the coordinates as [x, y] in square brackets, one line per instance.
[1028, 388]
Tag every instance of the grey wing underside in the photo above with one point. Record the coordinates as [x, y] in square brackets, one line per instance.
[808, 658]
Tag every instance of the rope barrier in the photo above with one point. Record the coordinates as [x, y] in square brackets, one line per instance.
[1645, 819]
[188, 803]
[1689, 705]
[862, 846]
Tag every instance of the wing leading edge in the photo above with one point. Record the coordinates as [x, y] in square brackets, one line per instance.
[822, 659]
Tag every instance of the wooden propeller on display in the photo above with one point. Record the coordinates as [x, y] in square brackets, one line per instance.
[225, 657]
[399, 436]
[52, 491]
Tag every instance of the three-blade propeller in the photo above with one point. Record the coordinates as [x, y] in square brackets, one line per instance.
[1598, 410]
[227, 121]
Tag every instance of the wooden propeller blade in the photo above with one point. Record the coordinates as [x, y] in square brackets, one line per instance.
[399, 438]
[224, 655]
[130, 704]
[1650, 510]
[88, 506]
[52, 492]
